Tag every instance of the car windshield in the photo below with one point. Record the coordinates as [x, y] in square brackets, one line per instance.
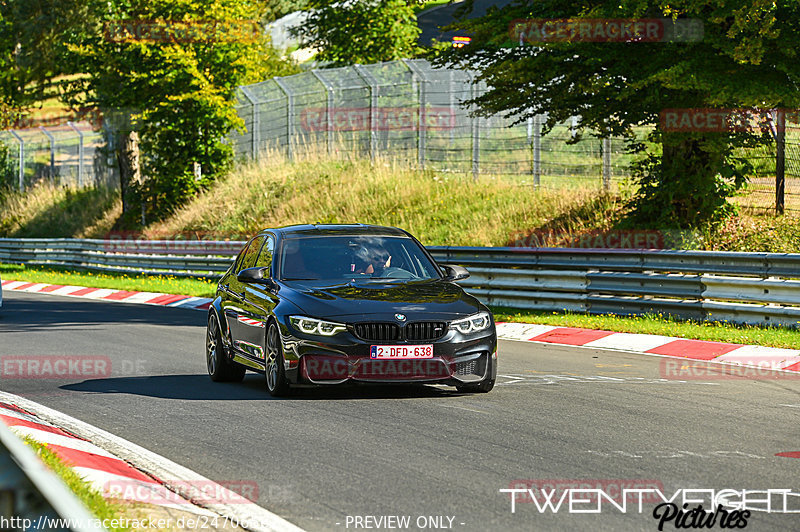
[354, 257]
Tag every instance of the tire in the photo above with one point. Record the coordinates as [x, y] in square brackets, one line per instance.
[274, 370]
[484, 386]
[220, 369]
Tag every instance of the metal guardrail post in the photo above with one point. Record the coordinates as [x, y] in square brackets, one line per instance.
[80, 152]
[21, 159]
[52, 152]
[372, 83]
[329, 92]
[289, 117]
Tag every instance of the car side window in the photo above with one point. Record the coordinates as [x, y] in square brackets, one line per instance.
[265, 257]
[250, 254]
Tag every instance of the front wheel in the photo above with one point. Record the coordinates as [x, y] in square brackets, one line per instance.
[220, 369]
[277, 385]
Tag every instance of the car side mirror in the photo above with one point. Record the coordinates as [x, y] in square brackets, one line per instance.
[454, 273]
[257, 275]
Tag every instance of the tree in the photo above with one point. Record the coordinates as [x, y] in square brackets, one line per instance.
[360, 31]
[168, 71]
[745, 59]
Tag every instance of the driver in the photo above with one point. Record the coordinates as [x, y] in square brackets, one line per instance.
[372, 260]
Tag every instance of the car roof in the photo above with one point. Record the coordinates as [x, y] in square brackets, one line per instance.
[336, 229]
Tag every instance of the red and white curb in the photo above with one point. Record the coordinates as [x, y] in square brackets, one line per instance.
[106, 294]
[101, 469]
[116, 467]
[757, 356]
[736, 354]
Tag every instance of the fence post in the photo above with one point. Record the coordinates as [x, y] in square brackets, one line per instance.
[372, 83]
[255, 134]
[423, 103]
[21, 159]
[780, 161]
[80, 152]
[52, 153]
[476, 125]
[606, 163]
[328, 108]
[289, 117]
[537, 150]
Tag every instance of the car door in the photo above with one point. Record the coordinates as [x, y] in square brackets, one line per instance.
[257, 306]
[234, 305]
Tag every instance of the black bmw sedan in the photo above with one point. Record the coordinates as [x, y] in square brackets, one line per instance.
[329, 304]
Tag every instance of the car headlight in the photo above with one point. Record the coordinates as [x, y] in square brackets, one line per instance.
[314, 326]
[472, 324]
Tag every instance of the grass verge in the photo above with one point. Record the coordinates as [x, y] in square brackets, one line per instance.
[650, 324]
[100, 507]
[116, 281]
[661, 325]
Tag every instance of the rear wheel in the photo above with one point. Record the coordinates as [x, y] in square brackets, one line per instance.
[220, 369]
[275, 373]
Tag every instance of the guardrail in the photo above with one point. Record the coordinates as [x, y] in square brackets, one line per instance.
[754, 288]
[31, 496]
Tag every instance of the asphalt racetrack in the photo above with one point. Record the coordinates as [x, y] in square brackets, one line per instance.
[344, 458]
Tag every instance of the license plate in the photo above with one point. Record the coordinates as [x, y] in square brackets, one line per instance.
[383, 352]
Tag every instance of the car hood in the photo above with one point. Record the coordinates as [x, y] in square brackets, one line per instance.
[378, 300]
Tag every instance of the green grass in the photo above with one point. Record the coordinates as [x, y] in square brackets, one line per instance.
[142, 283]
[100, 507]
[661, 325]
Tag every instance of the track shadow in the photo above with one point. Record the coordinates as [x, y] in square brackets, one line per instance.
[201, 388]
[36, 312]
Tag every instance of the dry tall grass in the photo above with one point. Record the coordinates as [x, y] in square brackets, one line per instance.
[438, 208]
[46, 210]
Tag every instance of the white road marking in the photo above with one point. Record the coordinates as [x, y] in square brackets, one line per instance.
[516, 379]
[675, 454]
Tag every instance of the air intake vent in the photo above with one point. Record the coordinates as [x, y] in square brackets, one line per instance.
[425, 331]
[377, 332]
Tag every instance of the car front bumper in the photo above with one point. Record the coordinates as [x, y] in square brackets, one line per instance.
[346, 358]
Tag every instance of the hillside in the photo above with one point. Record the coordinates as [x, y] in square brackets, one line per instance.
[440, 208]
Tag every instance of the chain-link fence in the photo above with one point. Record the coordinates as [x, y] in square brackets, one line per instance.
[760, 192]
[70, 154]
[408, 110]
[404, 110]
